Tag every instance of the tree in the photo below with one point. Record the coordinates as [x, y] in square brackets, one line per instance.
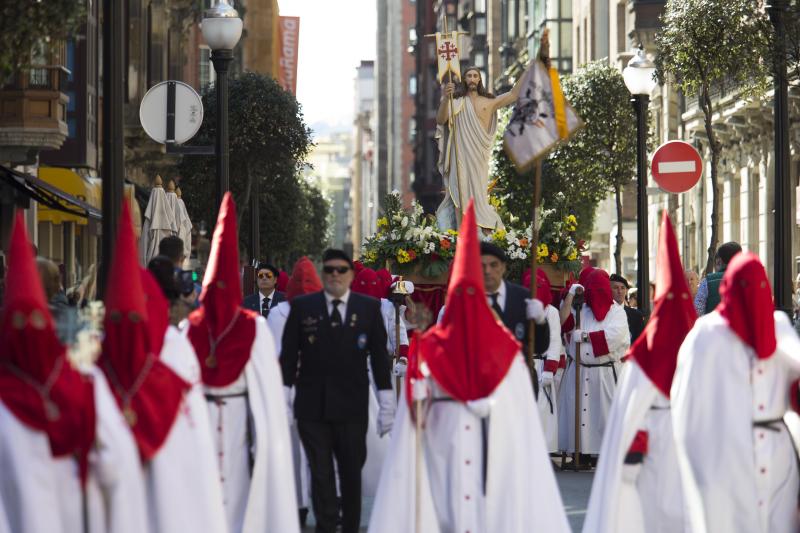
[269, 142]
[705, 45]
[26, 23]
[605, 149]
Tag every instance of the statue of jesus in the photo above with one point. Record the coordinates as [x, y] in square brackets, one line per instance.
[465, 135]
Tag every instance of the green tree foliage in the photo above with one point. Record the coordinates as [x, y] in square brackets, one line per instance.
[269, 142]
[705, 45]
[25, 23]
[599, 159]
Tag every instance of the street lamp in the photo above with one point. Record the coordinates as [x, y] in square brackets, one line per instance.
[782, 273]
[222, 29]
[640, 80]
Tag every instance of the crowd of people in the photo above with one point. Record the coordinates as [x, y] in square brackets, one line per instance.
[200, 410]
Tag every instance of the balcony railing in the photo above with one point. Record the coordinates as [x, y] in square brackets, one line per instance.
[42, 78]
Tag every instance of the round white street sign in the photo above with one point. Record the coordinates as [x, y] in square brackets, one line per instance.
[188, 112]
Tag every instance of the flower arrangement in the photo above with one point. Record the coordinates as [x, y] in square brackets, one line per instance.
[558, 242]
[410, 240]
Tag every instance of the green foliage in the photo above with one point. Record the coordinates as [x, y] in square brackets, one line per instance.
[577, 175]
[707, 44]
[25, 23]
[269, 142]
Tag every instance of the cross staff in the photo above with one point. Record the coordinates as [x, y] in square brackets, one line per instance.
[449, 52]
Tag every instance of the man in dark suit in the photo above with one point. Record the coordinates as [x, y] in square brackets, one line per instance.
[267, 297]
[619, 291]
[512, 302]
[326, 342]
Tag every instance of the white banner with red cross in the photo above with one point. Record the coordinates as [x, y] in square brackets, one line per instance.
[447, 54]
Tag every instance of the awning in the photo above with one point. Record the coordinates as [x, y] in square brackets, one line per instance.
[71, 183]
[48, 195]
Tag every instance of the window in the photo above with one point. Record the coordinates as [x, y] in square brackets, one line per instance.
[480, 25]
[412, 36]
[412, 85]
[480, 6]
[206, 68]
[480, 60]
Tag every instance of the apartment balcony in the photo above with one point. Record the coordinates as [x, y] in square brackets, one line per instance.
[33, 112]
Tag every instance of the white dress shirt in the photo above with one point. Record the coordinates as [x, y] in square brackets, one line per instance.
[329, 298]
[261, 298]
[501, 296]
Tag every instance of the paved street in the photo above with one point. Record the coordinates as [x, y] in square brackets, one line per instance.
[575, 487]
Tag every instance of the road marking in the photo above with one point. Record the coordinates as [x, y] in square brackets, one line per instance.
[671, 167]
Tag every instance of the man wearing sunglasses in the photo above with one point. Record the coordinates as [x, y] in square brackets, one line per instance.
[267, 297]
[327, 340]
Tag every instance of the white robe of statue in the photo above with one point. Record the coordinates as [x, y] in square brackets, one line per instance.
[548, 396]
[641, 498]
[158, 222]
[737, 478]
[597, 382]
[521, 491]
[251, 412]
[182, 478]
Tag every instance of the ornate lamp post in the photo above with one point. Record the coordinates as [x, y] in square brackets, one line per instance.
[783, 219]
[640, 80]
[222, 29]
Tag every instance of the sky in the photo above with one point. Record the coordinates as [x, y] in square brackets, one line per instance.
[334, 37]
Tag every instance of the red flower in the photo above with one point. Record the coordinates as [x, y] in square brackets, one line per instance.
[412, 254]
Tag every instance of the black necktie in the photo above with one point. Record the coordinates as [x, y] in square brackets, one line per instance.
[495, 305]
[265, 308]
[336, 316]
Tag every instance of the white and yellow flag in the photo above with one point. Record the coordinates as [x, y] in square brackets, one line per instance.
[447, 54]
[541, 117]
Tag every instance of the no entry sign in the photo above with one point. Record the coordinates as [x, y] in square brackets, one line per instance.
[676, 166]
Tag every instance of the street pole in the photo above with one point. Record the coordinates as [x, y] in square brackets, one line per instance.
[255, 219]
[640, 103]
[783, 229]
[222, 60]
[113, 138]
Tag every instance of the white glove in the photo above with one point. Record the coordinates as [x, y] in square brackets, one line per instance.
[386, 401]
[400, 367]
[534, 310]
[577, 335]
[287, 393]
[419, 390]
[574, 288]
[481, 407]
[547, 378]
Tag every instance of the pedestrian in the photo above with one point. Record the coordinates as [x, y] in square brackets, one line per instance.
[601, 339]
[69, 462]
[177, 288]
[736, 373]
[547, 359]
[243, 393]
[304, 280]
[156, 385]
[368, 283]
[468, 452]
[172, 247]
[619, 291]
[267, 296]
[693, 280]
[328, 338]
[637, 486]
[707, 297]
[65, 316]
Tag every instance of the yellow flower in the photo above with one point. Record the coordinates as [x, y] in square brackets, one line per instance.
[573, 255]
[383, 222]
[571, 222]
[452, 232]
[500, 234]
[542, 251]
[403, 256]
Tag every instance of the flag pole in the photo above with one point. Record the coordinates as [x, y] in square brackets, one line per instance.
[452, 126]
[537, 197]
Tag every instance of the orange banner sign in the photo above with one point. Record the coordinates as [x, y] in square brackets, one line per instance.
[289, 39]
